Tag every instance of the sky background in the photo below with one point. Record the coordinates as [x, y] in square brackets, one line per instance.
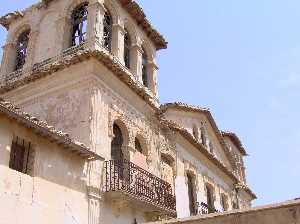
[241, 59]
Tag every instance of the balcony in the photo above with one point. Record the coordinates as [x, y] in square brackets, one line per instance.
[126, 178]
[203, 208]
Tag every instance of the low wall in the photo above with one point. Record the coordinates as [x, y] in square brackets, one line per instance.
[283, 213]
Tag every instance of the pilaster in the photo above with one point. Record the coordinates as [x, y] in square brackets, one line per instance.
[152, 77]
[8, 59]
[136, 54]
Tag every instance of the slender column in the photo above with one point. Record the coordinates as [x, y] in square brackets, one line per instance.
[95, 10]
[152, 77]
[136, 54]
[8, 59]
[118, 33]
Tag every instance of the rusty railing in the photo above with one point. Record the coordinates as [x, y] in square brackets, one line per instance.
[203, 208]
[122, 175]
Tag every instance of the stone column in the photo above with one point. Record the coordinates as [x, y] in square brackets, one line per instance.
[96, 12]
[117, 47]
[152, 77]
[136, 55]
[8, 59]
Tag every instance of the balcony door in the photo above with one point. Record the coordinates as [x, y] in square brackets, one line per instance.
[210, 199]
[192, 194]
[116, 144]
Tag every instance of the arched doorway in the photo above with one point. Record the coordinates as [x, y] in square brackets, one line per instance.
[117, 143]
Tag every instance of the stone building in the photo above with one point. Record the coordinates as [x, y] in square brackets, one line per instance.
[88, 68]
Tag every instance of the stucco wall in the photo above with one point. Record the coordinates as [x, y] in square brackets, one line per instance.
[189, 159]
[190, 119]
[55, 193]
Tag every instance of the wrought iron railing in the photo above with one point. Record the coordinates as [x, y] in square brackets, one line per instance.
[122, 175]
[203, 208]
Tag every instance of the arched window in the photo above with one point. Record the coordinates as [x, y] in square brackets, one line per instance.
[127, 46]
[116, 144]
[224, 202]
[210, 199]
[192, 194]
[107, 31]
[144, 68]
[203, 136]
[22, 45]
[79, 23]
[138, 145]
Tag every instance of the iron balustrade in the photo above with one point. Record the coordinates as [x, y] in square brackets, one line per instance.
[203, 208]
[125, 176]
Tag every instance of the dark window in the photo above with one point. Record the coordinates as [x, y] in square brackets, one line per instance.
[116, 144]
[210, 199]
[144, 69]
[211, 147]
[235, 205]
[224, 202]
[21, 156]
[192, 194]
[203, 136]
[107, 31]
[79, 22]
[127, 46]
[195, 132]
[138, 146]
[22, 46]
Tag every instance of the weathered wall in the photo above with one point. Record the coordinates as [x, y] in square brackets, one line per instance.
[56, 191]
[189, 159]
[284, 213]
[189, 120]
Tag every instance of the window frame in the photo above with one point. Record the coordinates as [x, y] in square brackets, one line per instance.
[107, 30]
[22, 49]
[79, 24]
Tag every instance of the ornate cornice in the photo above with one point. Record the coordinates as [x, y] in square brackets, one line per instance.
[187, 135]
[45, 130]
[207, 113]
[247, 189]
[6, 20]
[236, 141]
[50, 66]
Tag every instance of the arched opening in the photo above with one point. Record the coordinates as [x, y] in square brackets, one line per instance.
[117, 143]
[127, 47]
[79, 24]
[145, 69]
[107, 30]
[138, 146]
[210, 198]
[224, 202]
[22, 49]
[192, 193]
[203, 136]
[167, 170]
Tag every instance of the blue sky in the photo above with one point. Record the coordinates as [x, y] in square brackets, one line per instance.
[242, 60]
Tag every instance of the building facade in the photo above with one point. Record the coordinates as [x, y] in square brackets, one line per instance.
[88, 68]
